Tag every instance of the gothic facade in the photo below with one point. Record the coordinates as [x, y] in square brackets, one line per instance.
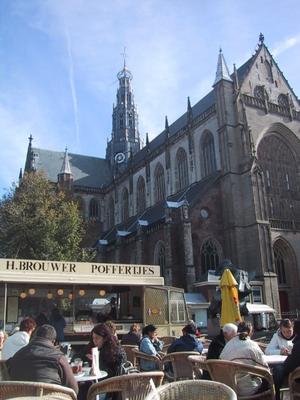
[221, 182]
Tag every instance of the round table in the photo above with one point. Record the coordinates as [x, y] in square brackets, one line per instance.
[85, 375]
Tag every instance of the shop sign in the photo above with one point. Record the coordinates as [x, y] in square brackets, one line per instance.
[77, 268]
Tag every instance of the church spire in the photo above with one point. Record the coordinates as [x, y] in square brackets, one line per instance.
[65, 168]
[65, 177]
[222, 69]
[167, 128]
[189, 111]
[20, 176]
[125, 138]
[30, 161]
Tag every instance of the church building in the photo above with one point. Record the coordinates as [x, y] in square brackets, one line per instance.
[220, 182]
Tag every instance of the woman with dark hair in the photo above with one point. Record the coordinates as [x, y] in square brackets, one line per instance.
[150, 344]
[242, 349]
[111, 355]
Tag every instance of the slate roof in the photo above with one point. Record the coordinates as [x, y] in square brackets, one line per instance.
[243, 70]
[157, 212]
[193, 192]
[87, 171]
[202, 105]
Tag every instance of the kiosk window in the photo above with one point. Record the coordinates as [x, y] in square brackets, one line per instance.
[178, 312]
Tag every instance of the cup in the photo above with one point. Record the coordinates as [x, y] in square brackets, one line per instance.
[74, 368]
[77, 366]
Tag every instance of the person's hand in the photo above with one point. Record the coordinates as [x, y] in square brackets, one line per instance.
[284, 351]
[89, 357]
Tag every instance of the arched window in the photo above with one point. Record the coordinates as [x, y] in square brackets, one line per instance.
[125, 204]
[182, 169]
[81, 206]
[111, 212]
[209, 256]
[140, 195]
[260, 92]
[280, 264]
[269, 71]
[280, 170]
[208, 154]
[94, 209]
[160, 257]
[159, 183]
[283, 100]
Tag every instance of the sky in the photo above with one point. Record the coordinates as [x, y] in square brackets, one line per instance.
[59, 60]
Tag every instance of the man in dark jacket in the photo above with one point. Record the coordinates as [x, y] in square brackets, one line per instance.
[40, 361]
[187, 342]
[218, 343]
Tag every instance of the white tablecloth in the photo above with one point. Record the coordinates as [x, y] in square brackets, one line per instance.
[275, 359]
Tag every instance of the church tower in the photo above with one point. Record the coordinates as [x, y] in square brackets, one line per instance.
[125, 139]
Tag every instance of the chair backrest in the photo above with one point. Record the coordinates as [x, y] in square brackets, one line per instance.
[198, 364]
[228, 372]
[168, 339]
[193, 390]
[293, 385]
[9, 389]
[133, 386]
[4, 375]
[140, 355]
[129, 353]
[182, 368]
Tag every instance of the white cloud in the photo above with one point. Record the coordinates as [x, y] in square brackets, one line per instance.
[72, 87]
[286, 44]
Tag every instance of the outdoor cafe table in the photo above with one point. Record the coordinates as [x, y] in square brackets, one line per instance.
[85, 375]
[275, 359]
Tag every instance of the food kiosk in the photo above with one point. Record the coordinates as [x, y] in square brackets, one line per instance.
[87, 293]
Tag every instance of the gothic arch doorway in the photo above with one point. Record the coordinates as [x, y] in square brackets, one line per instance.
[287, 275]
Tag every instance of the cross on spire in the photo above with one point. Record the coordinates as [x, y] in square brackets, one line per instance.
[124, 54]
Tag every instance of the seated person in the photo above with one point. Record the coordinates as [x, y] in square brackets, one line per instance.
[2, 339]
[111, 355]
[218, 343]
[187, 342]
[41, 361]
[19, 338]
[133, 337]
[150, 344]
[280, 372]
[242, 349]
[282, 340]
